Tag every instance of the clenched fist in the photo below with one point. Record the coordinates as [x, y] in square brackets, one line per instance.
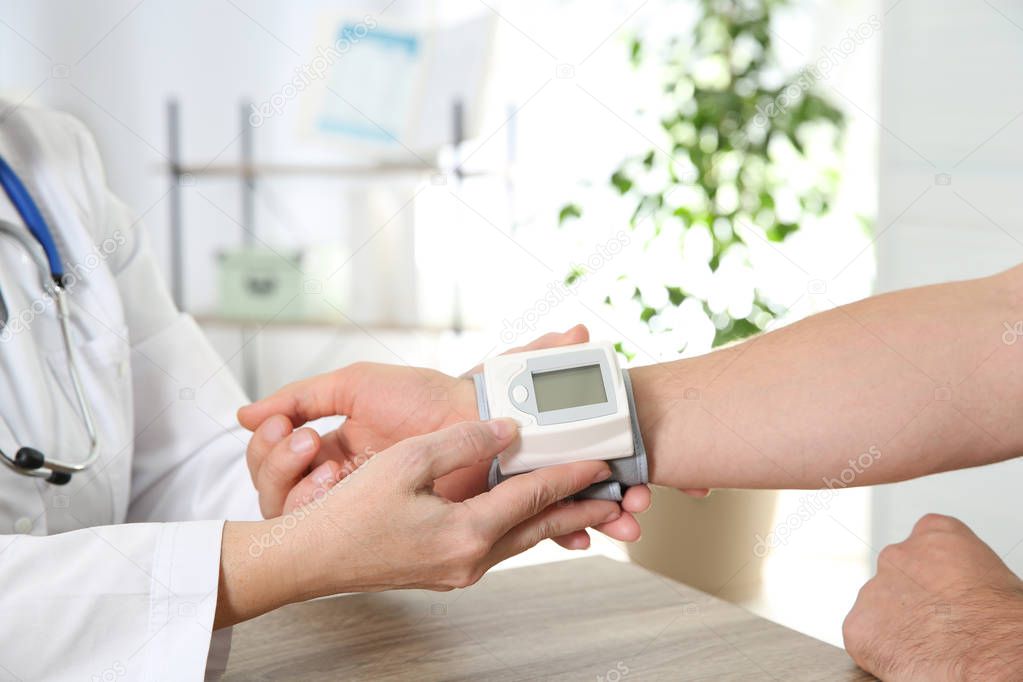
[942, 606]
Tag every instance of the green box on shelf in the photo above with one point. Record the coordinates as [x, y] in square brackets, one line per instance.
[258, 283]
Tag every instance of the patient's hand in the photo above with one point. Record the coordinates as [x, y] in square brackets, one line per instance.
[943, 606]
[384, 404]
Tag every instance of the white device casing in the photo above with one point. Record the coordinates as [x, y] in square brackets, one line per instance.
[604, 437]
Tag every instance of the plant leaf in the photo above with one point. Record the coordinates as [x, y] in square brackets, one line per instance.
[569, 211]
[621, 182]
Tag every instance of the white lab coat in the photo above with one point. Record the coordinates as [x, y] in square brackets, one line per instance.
[113, 576]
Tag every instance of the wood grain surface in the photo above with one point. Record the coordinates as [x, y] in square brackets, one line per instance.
[585, 619]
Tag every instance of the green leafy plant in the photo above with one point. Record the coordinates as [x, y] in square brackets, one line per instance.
[733, 127]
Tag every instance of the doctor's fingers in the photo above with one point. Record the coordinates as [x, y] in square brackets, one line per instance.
[421, 460]
[323, 478]
[324, 395]
[554, 521]
[636, 499]
[277, 472]
[624, 528]
[264, 439]
[577, 334]
[577, 539]
[522, 497]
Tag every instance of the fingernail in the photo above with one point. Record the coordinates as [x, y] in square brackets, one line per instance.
[302, 442]
[323, 474]
[502, 428]
[274, 431]
[578, 543]
[602, 475]
[613, 516]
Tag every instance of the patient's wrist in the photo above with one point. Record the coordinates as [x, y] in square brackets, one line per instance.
[676, 429]
[257, 571]
[999, 625]
[653, 420]
[461, 396]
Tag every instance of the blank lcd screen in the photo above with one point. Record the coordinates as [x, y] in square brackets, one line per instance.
[564, 388]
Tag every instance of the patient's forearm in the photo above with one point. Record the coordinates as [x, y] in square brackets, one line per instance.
[920, 381]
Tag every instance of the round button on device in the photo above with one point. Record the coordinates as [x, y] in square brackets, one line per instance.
[520, 394]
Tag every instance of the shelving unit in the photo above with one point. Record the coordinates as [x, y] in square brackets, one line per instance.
[338, 171]
[214, 320]
[248, 172]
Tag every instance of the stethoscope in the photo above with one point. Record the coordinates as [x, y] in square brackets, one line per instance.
[29, 461]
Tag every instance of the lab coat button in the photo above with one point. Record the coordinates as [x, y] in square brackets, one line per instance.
[23, 525]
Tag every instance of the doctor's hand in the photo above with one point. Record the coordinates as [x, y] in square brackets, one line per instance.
[383, 405]
[384, 527]
[942, 606]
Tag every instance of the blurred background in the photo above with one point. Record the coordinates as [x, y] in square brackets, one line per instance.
[431, 182]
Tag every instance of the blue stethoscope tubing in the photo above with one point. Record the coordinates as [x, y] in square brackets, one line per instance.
[33, 218]
[29, 461]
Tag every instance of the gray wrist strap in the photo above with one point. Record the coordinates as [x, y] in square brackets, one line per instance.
[625, 471]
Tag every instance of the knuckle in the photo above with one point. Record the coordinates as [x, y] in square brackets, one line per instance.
[892, 555]
[546, 528]
[413, 459]
[544, 493]
[355, 374]
[853, 632]
[471, 439]
[858, 626]
[464, 569]
[930, 523]
[266, 436]
[304, 402]
[537, 499]
[849, 629]
[865, 595]
[359, 367]
[465, 576]
[271, 472]
[473, 548]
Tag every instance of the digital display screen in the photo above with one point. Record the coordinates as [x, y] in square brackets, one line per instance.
[563, 388]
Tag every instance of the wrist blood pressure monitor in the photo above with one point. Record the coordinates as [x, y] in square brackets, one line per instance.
[572, 403]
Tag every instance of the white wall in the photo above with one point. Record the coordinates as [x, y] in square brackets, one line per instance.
[119, 60]
[114, 64]
[952, 104]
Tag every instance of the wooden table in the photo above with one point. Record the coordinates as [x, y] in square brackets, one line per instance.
[584, 619]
